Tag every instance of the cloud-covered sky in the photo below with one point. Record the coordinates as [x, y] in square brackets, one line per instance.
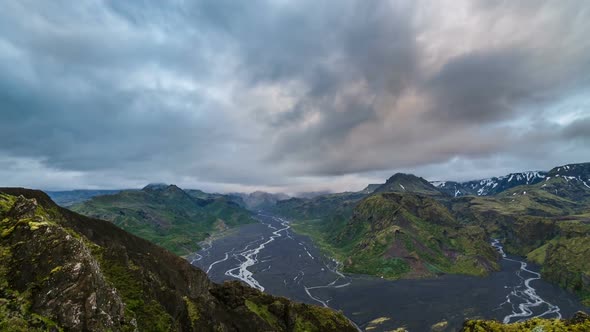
[290, 96]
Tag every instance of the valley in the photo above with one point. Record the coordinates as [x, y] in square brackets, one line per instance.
[269, 256]
[407, 253]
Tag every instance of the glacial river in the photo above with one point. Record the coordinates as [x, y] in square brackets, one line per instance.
[270, 257]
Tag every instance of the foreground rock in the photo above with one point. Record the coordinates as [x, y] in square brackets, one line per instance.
[580, 322]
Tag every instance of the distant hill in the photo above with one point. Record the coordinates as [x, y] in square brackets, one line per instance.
[61, 271]
[71, 197]
[167, 215]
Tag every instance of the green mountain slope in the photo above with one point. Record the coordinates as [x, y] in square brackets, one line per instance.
[403, 235]
[167, 215]
[62, 271]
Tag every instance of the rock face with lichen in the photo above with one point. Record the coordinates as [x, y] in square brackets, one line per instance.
[62, 271]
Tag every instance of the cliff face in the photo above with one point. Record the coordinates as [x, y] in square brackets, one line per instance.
[61, 270]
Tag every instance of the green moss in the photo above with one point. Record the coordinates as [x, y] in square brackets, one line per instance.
[150, 315]
[302, 325]
[262, 312]
[315, 318]
[538, 255]
[6, 202]
[193, 311]
[7, 231]
[56, 269]
[35, 225]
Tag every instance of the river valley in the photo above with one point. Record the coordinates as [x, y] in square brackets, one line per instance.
[270, 257]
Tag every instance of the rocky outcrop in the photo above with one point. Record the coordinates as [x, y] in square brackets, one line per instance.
[579, 322]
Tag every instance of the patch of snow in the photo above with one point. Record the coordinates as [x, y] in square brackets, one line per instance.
[402, 186]
[439, 184]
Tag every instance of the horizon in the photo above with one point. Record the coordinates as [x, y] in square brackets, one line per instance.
[295, 194]
[292, 97]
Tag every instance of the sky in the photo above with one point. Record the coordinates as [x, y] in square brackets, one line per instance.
[289, 96]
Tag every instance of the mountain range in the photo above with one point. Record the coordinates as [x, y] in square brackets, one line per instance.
[409, 227]
[495, 185]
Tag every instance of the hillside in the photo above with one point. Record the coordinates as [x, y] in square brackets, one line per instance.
[63, 271]
[403, 235]
[549, 222]
[167, 215]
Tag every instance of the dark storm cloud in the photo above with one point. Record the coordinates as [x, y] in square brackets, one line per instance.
[481, 87]
[278, 92]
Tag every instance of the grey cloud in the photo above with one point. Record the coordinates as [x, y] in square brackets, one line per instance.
[481, 87]
[250, 93]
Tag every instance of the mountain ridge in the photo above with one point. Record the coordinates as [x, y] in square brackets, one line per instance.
[167, 215]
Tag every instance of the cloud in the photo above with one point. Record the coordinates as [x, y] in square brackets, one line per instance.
[288, 94]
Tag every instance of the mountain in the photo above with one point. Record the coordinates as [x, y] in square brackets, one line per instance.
[402, 235]
[63, 271]
[401, 182]
[579, 171]
[489, 186]
[71, 197]
[370, 188]
[167, 215]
